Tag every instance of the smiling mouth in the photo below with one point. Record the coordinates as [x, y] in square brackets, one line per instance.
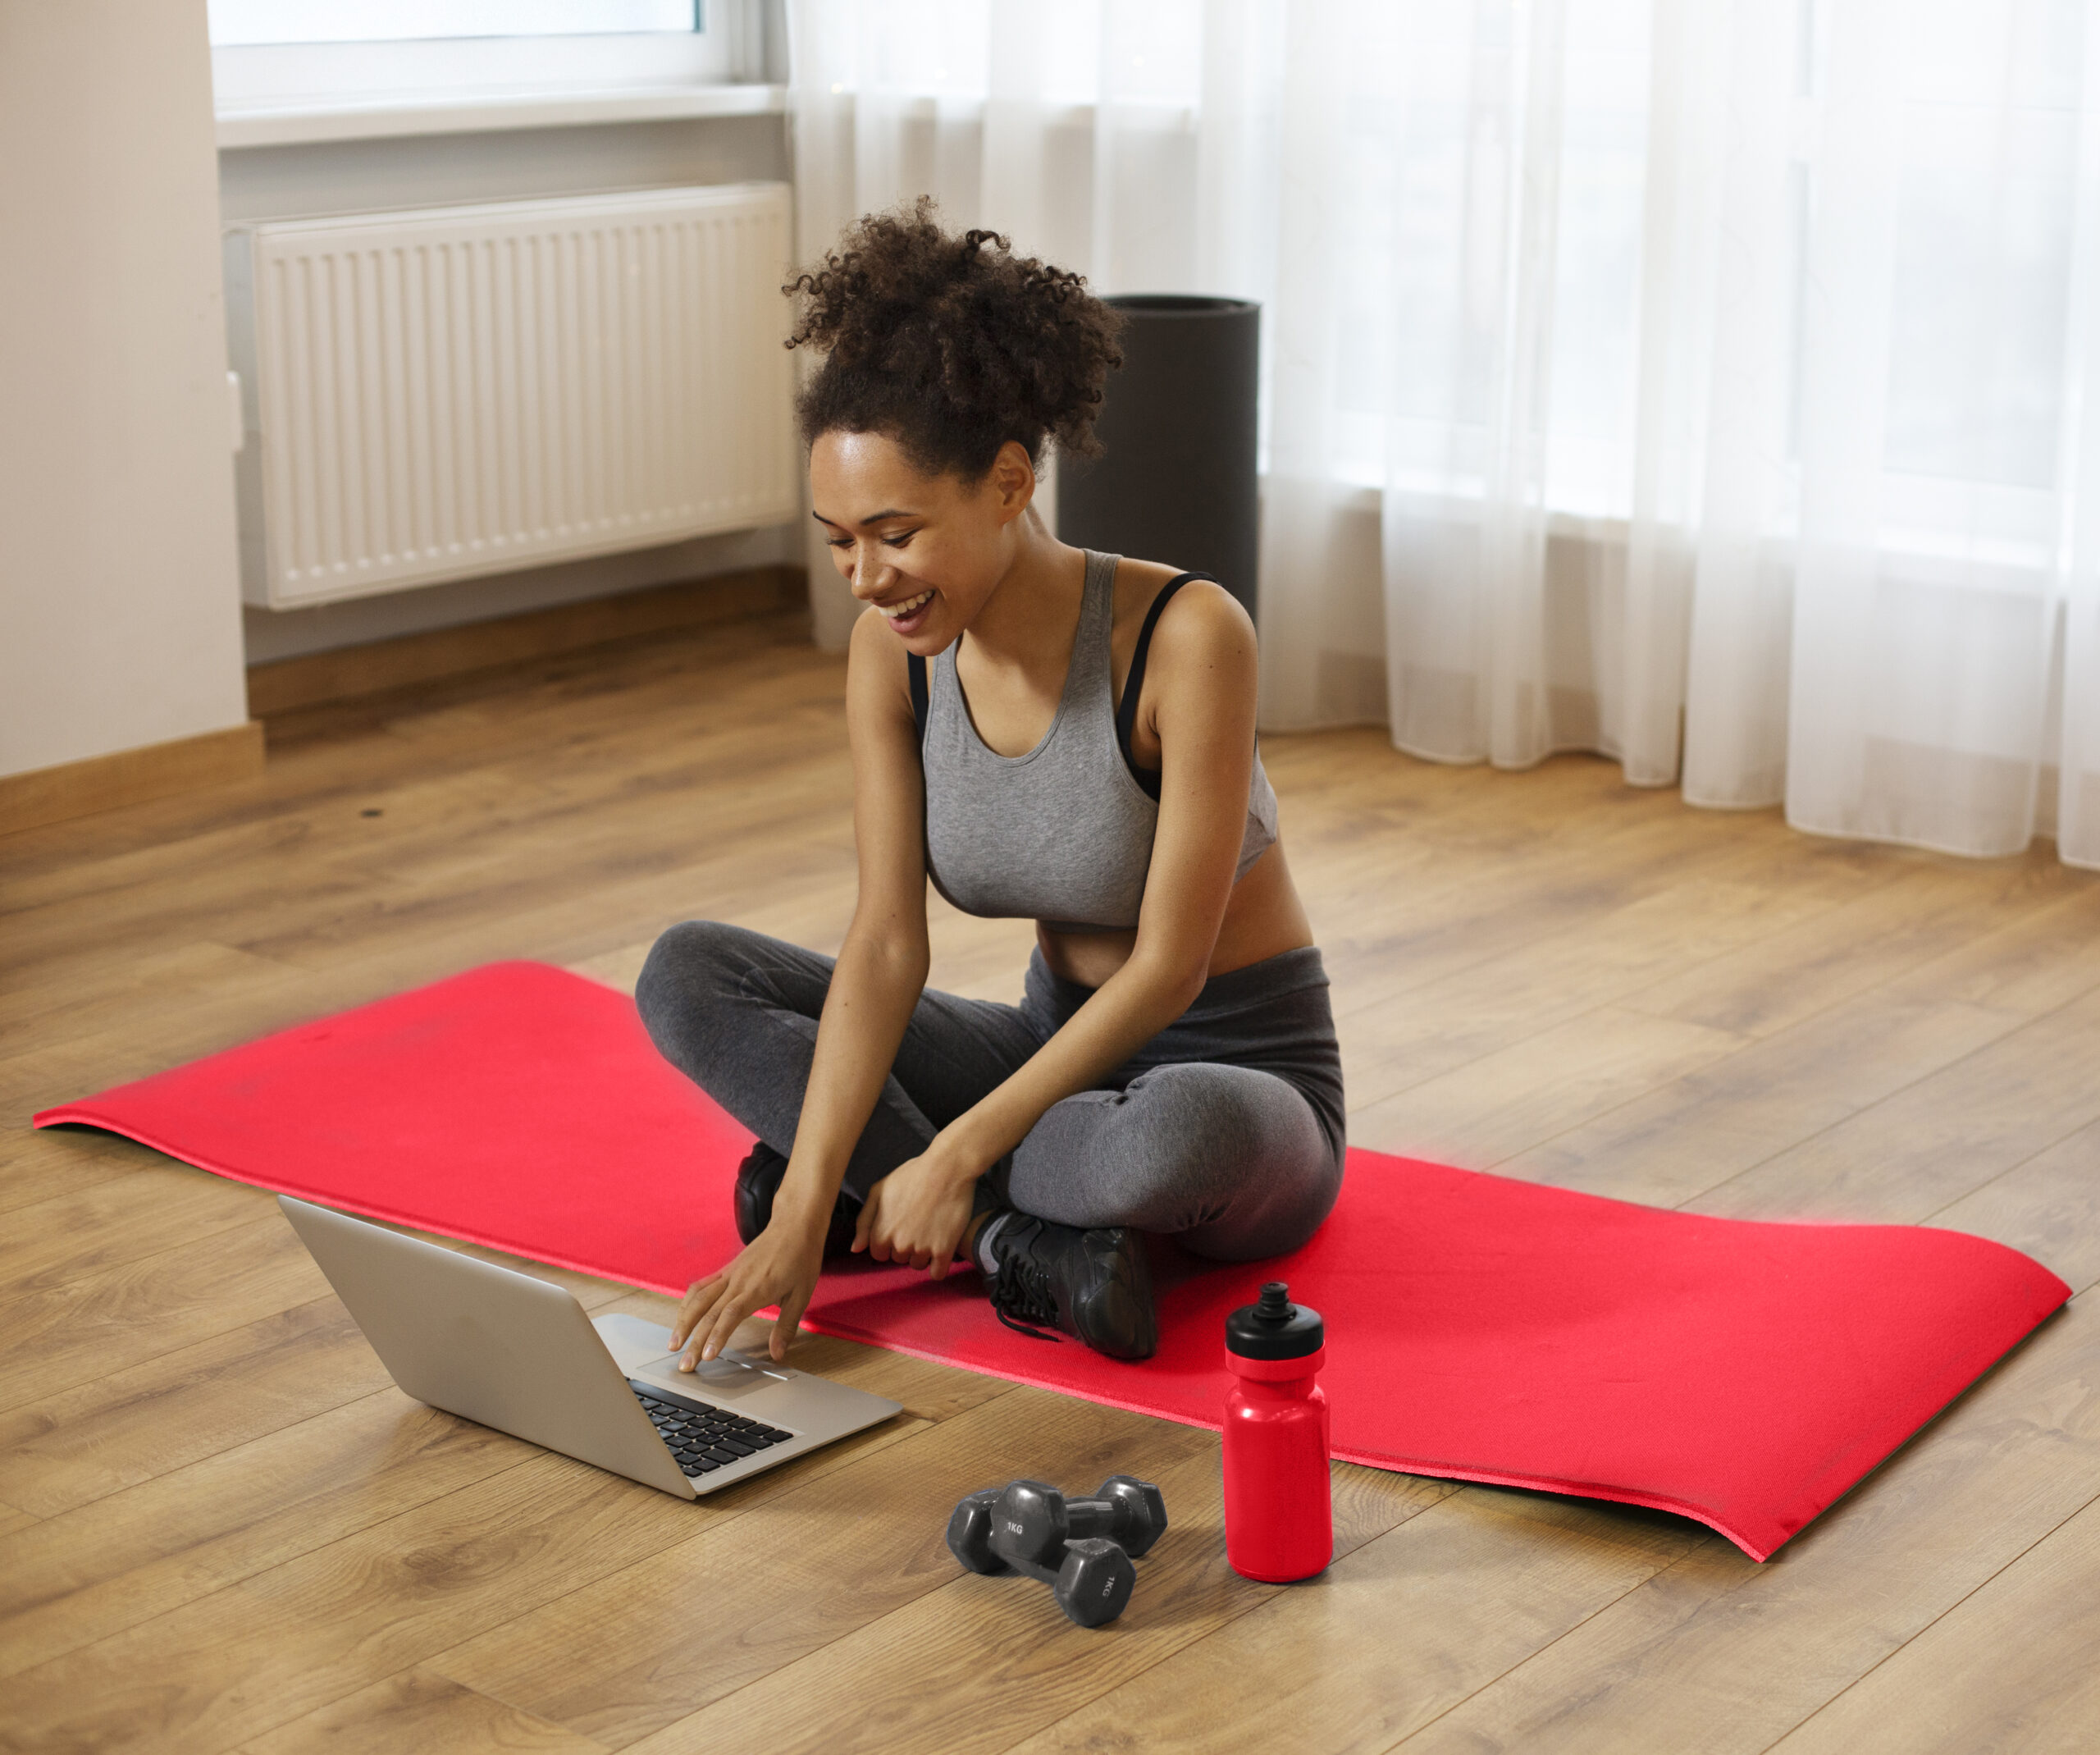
[898, 612]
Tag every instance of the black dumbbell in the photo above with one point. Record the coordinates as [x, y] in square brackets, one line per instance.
[1092, 1581]
[970, 1533]
[1032, 1522]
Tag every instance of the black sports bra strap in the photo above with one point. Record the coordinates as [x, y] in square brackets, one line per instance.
[1126, 710]
[917, 666]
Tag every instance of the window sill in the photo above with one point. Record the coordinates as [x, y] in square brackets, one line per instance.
[382, 114]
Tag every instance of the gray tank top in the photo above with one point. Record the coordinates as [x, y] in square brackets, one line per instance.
[1062, 834]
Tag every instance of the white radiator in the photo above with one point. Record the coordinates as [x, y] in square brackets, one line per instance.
[462, 390]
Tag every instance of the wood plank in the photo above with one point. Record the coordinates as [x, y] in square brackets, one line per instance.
[141, 1553]
[1924, 913]
[588, 917]
[2011, 1667]
[47, 1164]
[289, 1640]
[941, 1672]
[122, 1560]
[58, 794]
[1720, 1655]
[511, 730]
[490, 809]
[418, 1711]
[2048, 1207]
[139, 1421]
[1671, 1145]
[510, 714]
[1496, 1107]
[2044, 956]
[1392, 1634]
[810, 1568]
[55, 1336]
[1389, 934]
[1398, 1040]
[380, 665]
[112, 1223]
[119, 988]
[12, 1519]
[1936, 1140]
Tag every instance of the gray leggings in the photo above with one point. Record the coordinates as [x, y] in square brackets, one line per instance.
[1225, 1129]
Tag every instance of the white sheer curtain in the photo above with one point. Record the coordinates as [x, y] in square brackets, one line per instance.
[1711, 383]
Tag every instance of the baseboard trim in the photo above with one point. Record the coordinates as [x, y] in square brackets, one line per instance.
[321, 678]
[153, 770]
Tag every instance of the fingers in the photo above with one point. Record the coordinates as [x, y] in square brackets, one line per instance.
[882, 1246]
[713, 1299]
[895, 1243]
[710, 1334]
[863, 1227]
[699, 1296]
[791, 1317]
[696, 1338]
[729, 1315]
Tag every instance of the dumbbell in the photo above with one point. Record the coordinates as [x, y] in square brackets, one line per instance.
[1129, 1512]
[1034, 1521]
[1091, 1583]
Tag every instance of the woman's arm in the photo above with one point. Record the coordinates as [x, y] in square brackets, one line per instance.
[880, 972]
[1203, 665]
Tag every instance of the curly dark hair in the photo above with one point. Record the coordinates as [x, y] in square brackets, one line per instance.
[951, 345]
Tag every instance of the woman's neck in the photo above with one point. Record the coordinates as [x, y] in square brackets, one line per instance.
[1035, 604]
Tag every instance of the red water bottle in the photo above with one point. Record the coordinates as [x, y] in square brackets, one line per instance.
[1279, 1513]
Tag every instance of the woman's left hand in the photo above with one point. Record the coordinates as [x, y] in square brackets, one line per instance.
[917, 1213]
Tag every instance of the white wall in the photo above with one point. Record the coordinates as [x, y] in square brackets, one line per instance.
[119, 611]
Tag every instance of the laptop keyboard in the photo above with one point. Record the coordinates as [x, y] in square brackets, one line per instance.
[704, 1439]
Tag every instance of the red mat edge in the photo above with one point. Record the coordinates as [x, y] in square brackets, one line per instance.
[82, 1114]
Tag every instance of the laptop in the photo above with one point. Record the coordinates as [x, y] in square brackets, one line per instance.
[504, 1350]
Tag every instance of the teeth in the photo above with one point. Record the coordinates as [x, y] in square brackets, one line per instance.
[894, 611]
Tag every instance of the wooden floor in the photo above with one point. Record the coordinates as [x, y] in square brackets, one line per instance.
[220, 1526]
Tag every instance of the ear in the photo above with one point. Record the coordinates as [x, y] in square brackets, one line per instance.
[1011, 481]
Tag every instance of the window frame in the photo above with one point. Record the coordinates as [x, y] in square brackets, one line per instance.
[268, 94]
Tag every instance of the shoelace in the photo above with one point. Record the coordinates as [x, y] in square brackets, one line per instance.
[1020, 1294]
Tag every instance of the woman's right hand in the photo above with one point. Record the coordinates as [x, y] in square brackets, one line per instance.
[778, 1266]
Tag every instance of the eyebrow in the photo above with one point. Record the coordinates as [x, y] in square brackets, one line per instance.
[873, 517]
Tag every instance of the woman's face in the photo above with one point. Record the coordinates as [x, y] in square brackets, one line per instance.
[925, 549]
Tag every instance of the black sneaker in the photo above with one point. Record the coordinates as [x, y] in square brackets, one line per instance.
[758, 1180]
[1096, 1286]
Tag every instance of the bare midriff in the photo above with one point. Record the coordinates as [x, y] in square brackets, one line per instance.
[1263, 918]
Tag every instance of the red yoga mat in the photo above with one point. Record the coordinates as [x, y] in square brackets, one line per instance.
[1744, 1374]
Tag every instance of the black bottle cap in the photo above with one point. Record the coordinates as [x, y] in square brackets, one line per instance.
[1275, 1327]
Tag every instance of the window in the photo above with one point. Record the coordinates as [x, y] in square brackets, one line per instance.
[244, 23]
[286, 71]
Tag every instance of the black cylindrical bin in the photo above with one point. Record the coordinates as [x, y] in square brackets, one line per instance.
[1175, 480]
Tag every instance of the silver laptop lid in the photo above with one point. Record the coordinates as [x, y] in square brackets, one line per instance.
[498, 1347]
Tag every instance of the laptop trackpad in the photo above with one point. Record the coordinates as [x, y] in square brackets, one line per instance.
[640, 1350]
[717, 1378]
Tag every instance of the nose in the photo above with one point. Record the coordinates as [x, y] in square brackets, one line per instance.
[871, 576]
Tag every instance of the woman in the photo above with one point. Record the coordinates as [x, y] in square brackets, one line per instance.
[1044, 732]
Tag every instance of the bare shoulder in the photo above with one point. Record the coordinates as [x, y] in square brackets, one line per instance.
[1203, 626]
[872, 642]
[875, 662]
[874, 651]
[1201, 611]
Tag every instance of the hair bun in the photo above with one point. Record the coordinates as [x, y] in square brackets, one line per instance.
[951, 345]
